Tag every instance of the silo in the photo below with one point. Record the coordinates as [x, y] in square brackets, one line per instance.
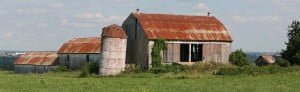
[113, 50]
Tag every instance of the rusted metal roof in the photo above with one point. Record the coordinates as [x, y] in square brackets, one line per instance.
[81, 45]
[183, 27]
[114, 31]
[37, 58]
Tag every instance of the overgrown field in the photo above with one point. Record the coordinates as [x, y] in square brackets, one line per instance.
[149, 82]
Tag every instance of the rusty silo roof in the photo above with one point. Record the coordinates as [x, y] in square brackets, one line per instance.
[81, 46]
[183, 27]
[37, 58]
[114, 31]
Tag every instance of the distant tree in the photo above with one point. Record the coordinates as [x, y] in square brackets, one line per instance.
[292, 51]
[238, 58]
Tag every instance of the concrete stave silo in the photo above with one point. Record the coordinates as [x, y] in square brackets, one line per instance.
[113, 50]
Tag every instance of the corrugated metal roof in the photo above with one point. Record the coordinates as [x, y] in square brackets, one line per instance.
[81, 45]
[37, 58]
[114, 31]
[183, 27]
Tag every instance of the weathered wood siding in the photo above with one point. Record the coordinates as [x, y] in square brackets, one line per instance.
[25, 69]
[172, 53]
[212, 51]
[43, 69]
[137, 43]
[76, 61]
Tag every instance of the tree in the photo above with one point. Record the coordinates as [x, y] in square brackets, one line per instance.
[292, 51]
[239, 58]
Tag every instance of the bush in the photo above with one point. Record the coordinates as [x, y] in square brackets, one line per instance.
[175, 68]
[283, 63]
[61, 69]
[89, 68]
[273, 69]
[133, 69]
[229, 71]
[93, 67]
[238, 58]
[84, 70]
[195, 68]
[204, 67]
[157, 70]
[250, 70]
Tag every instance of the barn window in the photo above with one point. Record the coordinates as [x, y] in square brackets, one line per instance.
[196, 52]
[68, 58]
[184, 52]
[135, 28]
[87, 58]
[191, 52]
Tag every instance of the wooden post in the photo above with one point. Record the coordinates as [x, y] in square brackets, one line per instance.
[190, 52]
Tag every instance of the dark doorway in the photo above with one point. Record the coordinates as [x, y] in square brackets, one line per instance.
[196, 52]
[87, 58]
[184, 52]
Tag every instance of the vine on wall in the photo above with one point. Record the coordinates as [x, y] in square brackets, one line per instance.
[159, 45]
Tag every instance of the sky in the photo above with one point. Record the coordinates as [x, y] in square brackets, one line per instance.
[44, 25]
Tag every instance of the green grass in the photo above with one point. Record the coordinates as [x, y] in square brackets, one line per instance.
[146, 82]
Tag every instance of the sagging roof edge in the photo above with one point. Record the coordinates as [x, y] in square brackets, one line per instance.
[196, 40]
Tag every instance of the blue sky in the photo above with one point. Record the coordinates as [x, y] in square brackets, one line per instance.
[256, 25]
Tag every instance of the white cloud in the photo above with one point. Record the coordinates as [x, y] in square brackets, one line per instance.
[36, 11]
[258, 19]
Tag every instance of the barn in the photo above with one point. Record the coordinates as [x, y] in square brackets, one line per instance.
[265, 60]
[189, 38]
[75, 52]
[36, 62]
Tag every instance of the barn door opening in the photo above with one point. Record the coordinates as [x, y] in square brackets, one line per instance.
[184, 52]
[196, 52]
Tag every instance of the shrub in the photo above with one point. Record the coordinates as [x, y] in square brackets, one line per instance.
[93, 67]
[283, 63]
[84, 70]
[157, 70]
[238, 58]
[133, 69]
[61, 69]
[175, 68]
[250, 70]
[273, 69]
[229, 71]
[204, 67]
